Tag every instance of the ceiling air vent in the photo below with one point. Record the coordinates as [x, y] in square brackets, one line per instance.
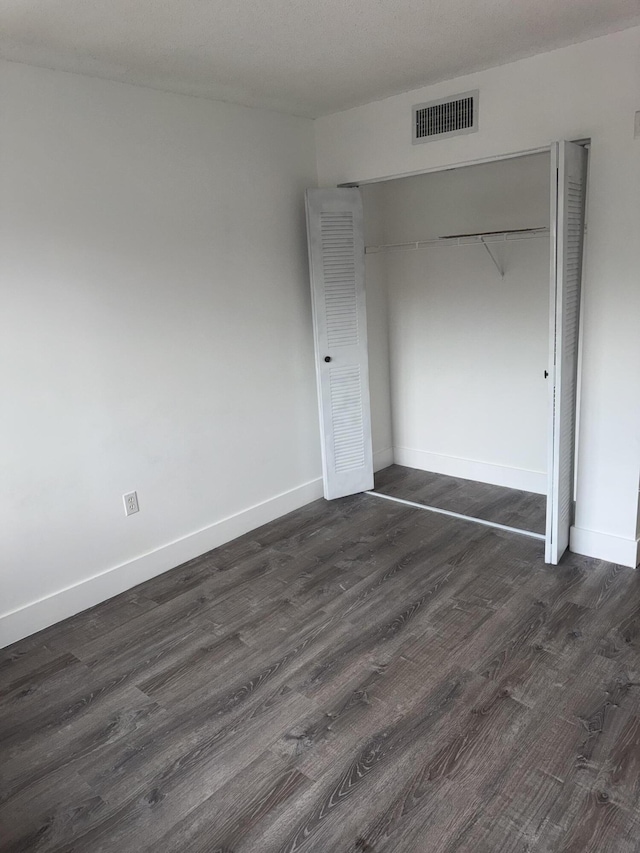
[446, 117]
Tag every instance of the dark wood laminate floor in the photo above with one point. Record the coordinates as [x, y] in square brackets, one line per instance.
[358, 676]
[524, 510]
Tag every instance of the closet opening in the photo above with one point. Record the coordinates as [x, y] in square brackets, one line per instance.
[446, 317]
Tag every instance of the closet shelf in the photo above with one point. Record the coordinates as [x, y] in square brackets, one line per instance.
[462, 240]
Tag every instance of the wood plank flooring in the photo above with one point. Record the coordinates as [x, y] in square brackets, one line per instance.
[357, 677]
[511, 507]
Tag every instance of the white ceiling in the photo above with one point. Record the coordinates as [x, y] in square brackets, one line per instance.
[308, 57]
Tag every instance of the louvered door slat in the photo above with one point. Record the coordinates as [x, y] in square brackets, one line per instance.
[568, 199]
[336, 257]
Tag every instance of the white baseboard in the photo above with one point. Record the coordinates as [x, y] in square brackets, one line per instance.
[469, 469]
[604, 546]
[53, 608]
[382, 458]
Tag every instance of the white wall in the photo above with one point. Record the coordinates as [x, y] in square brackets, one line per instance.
[586, 90]
[468, 349]
[377, 330]
[155, 333]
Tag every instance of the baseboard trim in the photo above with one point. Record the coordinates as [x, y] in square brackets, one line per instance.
[604, 546]
[39, 614]
[469, 469]
[382, 458]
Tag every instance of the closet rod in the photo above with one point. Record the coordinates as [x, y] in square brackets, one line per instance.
[463, 240]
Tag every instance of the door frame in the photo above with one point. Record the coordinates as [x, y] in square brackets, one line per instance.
[585, 143]
[478, 161]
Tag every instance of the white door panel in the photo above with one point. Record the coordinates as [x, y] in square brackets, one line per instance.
[336, 260]
[568, 192]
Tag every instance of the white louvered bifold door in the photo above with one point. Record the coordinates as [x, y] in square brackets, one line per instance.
[568, 191]
[336, 260]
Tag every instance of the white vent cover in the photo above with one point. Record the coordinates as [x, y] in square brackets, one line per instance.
[451, 116]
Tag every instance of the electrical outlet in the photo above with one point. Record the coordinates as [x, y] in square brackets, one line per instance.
[130, 503]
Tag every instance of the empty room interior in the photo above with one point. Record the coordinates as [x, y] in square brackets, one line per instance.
[320, 423]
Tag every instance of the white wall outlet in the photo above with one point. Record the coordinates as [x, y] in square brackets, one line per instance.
[130, 503]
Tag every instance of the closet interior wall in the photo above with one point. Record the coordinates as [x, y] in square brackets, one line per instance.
[457, 381]
[375, 273]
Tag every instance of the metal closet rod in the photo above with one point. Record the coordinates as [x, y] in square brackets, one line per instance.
[482, 237]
